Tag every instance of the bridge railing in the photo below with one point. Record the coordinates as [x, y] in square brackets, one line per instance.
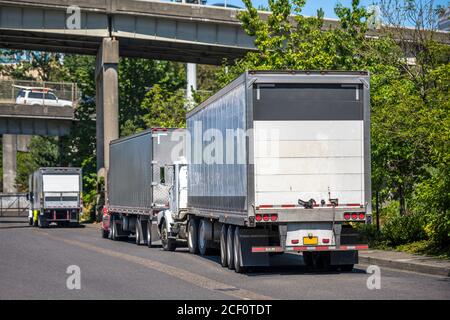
[31, 92]
[14, 205]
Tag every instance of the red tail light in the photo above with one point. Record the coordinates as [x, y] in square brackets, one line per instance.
[354, 216]
[326, 240]
[266, 217]
[362, 216]
[295, 241]
[258, 217]
[274, 217]
[346, 216]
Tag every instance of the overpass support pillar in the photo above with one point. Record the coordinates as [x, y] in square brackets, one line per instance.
[9, 145]
[107, 101]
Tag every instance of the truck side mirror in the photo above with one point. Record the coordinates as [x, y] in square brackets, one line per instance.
[28, 196]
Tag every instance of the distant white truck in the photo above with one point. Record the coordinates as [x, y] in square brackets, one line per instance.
[55, 196]
[40, 96]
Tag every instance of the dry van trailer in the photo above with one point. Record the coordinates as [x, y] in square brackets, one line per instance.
[55, 195]
[319, 123]
[136, 191]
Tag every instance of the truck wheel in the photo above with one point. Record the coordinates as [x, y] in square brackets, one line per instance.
[137, 231]
[307, 259]
[347, 267]
[237, 252]
[113, 230]
[105, 233]
[168, 244]
[42, 223]
[230, 247]
[192, 236]
[223, 246]
[203, 244]
[149, 233]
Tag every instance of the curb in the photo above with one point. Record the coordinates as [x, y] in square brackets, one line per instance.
[408, 266]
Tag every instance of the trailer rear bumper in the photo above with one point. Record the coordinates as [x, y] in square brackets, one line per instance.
[62, 215]
[268, 249]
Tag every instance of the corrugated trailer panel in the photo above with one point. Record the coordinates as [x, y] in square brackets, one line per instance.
[215, 181]
[130, 172]
[135, 184]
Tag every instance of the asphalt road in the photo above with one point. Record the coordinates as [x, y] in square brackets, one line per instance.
[33, 264]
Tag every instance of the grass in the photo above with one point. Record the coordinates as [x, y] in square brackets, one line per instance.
[425, 247]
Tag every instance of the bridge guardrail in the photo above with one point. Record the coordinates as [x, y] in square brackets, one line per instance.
[14, 205]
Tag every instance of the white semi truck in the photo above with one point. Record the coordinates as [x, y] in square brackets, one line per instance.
[55, 196]
[274, 162]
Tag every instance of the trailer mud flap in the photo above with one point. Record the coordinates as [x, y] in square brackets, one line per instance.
[343, 257]
[255, 237]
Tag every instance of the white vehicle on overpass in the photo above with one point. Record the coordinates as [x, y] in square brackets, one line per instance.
[40, 96]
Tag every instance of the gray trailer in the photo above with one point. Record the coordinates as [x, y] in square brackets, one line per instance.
[278, 162]
[136, 189]
[55, 196]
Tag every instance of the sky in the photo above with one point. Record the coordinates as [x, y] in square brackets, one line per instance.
[312, 6]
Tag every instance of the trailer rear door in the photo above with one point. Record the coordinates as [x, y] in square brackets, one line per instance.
[308, 141]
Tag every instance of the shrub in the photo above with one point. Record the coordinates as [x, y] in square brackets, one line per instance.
[404, 229]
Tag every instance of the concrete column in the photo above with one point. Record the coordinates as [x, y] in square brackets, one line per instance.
[107, 101]
[191, 75]
[9, 143]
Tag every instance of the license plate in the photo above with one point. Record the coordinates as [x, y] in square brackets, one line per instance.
[309, 241]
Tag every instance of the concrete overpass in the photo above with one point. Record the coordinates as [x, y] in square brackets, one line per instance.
[146, 29]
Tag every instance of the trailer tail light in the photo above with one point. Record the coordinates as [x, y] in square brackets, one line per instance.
[274, 217]
[266, 217]
[362, 216]
[347, 216]
[326, 240]
[354, 216]
[294, 241]
[258, 217]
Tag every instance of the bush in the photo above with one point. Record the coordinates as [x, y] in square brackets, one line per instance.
[400, 230]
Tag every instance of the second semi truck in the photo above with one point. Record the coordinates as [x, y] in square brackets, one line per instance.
[274, 162]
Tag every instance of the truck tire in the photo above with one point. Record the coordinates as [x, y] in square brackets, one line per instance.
[192, 236]
[230, 247]
[42, 223]
[138, 232]
[237, 252]
[105, 233]
[168, 244]
[30, 221]
[149, 233]
[113, 230]
[308, 259]
[223, 246]
[204, 245]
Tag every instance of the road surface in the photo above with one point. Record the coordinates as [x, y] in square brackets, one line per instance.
[33, 265]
